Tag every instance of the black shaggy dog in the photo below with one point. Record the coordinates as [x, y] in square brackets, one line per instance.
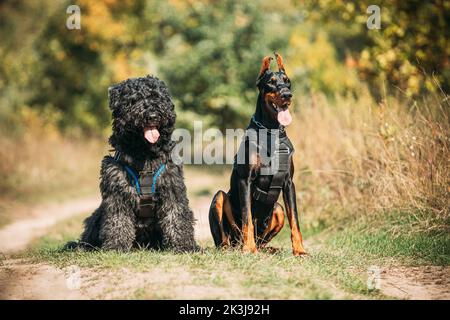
[144, 201]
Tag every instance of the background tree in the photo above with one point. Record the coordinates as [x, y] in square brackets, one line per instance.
[409, 51]
[209, 53]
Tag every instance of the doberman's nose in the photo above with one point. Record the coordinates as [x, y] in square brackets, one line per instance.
[286, 95]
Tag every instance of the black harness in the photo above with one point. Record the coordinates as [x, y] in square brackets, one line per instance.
[145, 183]
[269, 191]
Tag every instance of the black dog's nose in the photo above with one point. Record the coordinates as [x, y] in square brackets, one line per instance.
[286, 95]
[152, 118]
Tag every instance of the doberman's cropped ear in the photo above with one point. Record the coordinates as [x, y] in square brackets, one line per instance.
[279, 62]
[265, 66]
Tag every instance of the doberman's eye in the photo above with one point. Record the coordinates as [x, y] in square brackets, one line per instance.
[273, 80]
[286, 79]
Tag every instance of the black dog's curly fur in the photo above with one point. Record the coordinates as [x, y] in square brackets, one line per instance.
[136, 103]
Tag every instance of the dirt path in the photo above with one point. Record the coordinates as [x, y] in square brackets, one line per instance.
[22, 280]
[417, 283]
[200, 206]
[17, 235]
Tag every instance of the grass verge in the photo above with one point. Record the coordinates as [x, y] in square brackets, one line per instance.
[324, 274]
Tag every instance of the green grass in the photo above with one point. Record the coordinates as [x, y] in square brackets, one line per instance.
[324, 274]
[425, 249]
[261, 276]
[336, 266]
[400, 235]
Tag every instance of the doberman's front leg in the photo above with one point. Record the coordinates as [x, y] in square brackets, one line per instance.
[274, 226]
[291, 210]
[221, 221]
[248, 231]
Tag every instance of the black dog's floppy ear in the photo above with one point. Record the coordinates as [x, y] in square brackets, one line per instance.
[113, 96]
[264, 67]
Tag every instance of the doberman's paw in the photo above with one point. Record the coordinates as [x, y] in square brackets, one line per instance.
[298, 253]
[250, 249]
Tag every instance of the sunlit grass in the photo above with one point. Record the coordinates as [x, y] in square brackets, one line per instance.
[369, 194]
[356, 157]
[326, 273]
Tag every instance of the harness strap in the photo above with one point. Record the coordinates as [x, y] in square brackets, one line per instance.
[155, 177]
[276, 184]
[148, 179]
[144, 181]
[135, 178]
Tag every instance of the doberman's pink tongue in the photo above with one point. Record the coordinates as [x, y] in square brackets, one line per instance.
[151, 134]
[284, 117]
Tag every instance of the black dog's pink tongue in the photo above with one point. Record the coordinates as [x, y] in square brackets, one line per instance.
[151, 134]
[284, 117]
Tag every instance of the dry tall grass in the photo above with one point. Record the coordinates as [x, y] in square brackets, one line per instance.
[353, 156]
[42, 163]
[357, 157]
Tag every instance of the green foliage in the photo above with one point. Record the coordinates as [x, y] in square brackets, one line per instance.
[314, 64]
[77, 66]
[20, 26]
[209, 53]
[411, 45]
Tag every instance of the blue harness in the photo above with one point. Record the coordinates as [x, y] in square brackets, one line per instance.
[145, 184]
[135, 177]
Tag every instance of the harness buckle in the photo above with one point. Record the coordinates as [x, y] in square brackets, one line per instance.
[283, 151]
[146, 172]
[259, 194]
[256, 195]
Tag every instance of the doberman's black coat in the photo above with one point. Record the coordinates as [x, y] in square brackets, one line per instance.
[249, 214]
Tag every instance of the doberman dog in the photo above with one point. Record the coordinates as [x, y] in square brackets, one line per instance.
[249, 214]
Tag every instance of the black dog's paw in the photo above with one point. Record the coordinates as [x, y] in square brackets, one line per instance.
[78, 245]
[192, 248]
[71, 246]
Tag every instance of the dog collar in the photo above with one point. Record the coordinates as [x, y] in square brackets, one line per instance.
[259, 125]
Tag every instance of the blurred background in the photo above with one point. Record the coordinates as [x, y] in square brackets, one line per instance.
[371, 108]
